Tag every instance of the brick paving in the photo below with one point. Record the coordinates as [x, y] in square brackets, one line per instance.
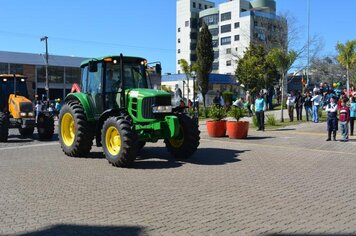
[286, 182]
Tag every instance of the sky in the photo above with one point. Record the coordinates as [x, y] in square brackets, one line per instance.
[142, 28]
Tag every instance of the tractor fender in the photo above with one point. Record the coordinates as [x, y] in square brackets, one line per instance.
[99, 124]
[84, 101]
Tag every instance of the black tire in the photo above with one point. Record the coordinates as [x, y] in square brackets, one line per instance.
[124, 153]
[83, 135]
[186, 144]
[140, 145]
[45, 127]
[26, 132]
[4, 127]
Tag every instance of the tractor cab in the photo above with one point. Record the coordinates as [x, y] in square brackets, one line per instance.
[11, 84]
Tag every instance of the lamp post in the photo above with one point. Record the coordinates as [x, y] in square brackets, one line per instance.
[45, 38]
[308, 42]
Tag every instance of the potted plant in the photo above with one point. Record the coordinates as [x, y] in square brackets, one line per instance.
[217, 126]
[237, 129]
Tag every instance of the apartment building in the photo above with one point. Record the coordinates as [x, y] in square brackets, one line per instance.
[234, 24]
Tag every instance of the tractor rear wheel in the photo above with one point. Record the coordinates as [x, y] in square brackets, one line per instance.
[75, 134]
[119, 141]
[187, 142]
[45, 127]
[4, 127]
[26, 132]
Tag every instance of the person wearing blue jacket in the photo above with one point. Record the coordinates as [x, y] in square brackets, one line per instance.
[260, 107]
[352, 114]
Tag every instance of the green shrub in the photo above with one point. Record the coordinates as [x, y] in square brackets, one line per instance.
[271, 120]
[320, 113]
[236, 113]
[227, 97]
[216, 113]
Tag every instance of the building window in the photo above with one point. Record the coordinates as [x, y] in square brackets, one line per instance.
[226, 40]
[178, 51]
[237, 37]
[55, 74]
[194, 5]
[214, 31]
[211, 19]
[4, 68]
[228, 63]
[187, 23]
[206, 7]
[226, 16]
[215, 43]
[178, 40]
[194, 23]
[178, 62]
[193, 46]
[200, 7]
[236, 49]
[228, 50]
[178, 29]
[16, 69]
[225, 28]
[193, 35]
[216, 66]
[237, 25]
[216, 55]
[72, 75]
[178, 71]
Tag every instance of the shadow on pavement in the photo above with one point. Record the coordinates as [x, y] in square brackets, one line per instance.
[87, 230]
[258, 137]
[282, 129]
[203, 156]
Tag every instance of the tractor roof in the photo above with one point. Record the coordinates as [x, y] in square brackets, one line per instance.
[10, 76]
[127, 59]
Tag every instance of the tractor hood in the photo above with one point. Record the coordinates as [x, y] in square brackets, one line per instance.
[141, 93]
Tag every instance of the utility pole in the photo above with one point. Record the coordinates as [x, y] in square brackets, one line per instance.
[45, 38]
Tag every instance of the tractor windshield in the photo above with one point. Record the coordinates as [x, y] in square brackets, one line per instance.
[132, 73]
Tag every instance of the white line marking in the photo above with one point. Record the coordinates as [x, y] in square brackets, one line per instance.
[30, 146]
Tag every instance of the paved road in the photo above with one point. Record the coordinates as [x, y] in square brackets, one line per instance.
[278, 182]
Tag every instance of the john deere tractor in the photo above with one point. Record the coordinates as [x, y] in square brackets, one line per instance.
[116, 106]
[16, 110]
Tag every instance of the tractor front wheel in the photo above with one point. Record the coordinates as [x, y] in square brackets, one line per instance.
[187, 142]
[26, 132]
[4, 127]
[45, 127]
[119, 141]
[75, 135]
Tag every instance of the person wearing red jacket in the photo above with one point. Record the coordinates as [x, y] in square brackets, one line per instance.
[344, 118]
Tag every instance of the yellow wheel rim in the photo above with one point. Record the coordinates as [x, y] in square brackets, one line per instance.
[177, 142]
[113, 141]
[68, 129]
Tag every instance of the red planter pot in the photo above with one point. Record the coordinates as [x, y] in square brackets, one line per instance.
[216, 128]
[237, 129]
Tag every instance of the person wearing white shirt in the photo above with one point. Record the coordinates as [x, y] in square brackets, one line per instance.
[290, 105]
[316, 99]
[331, 108]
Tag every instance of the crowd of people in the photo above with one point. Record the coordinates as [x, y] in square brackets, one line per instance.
[44, 104]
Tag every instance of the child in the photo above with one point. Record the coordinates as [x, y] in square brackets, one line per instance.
[344, 121]
[331, 108]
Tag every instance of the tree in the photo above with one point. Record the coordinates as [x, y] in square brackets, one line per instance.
[347, 58]
[326, 69]
[188, 71]
[283, 60]
[254, 71]
[205, 58]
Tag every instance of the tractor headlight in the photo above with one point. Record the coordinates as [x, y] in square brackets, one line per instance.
[30, 114]
[23, 114]
[162, 109]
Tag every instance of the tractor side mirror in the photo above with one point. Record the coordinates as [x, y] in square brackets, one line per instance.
[93, 66]
[158, 69]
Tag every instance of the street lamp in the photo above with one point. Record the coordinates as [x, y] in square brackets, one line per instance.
[45, 38]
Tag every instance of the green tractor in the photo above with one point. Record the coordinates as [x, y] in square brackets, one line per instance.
[115, 105]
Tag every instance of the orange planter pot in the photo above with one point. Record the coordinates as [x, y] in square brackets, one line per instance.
[216, 128]
[237, 130]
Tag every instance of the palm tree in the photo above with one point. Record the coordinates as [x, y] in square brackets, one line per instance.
[347, 58]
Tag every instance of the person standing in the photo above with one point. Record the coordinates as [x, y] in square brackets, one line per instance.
[331, 108]
[316, 99]
[290, 105]
[260, 107]
[308, 104]
[344, 118]
[38, 109]
[249, 103]
[177, 95]
[299, 106]
[352, 113]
